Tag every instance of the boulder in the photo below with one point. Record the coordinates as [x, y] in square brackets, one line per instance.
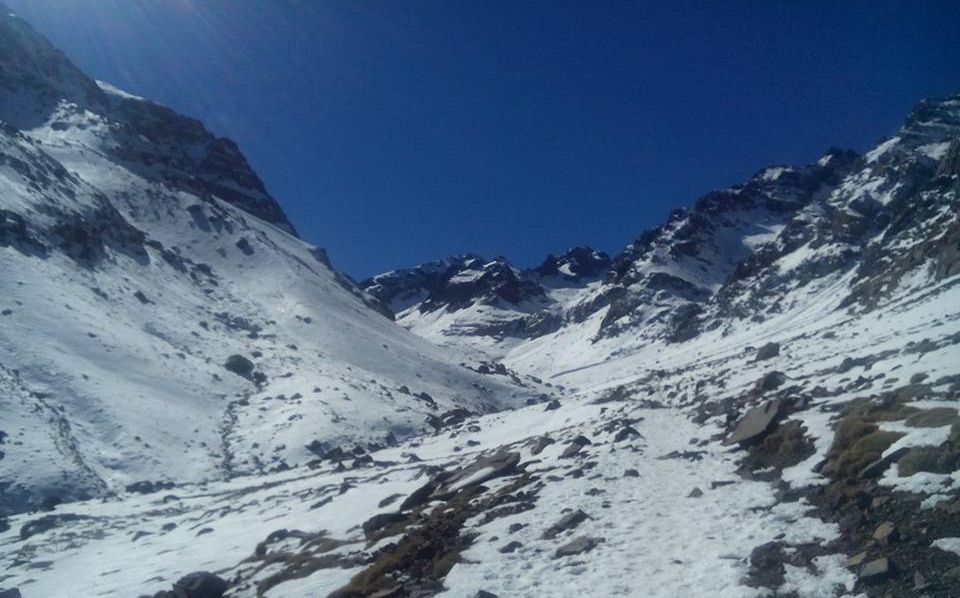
[482, 470]
[768, 351]
[568, 521]
[552, 405]
[200, 584]
[511, 547]
[755, 423]
[239, 365]
[419, 496]
[380, 521]
[541, 443]
[575, 446]
[771, 381]
[886, 532]
[577, 546]
[877, 570]
[11, 593]
[627, 433]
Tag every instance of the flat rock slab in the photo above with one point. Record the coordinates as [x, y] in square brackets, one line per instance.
[480, 471]
[568, 521]
[577, 546]
[877, 569]
[755, 422]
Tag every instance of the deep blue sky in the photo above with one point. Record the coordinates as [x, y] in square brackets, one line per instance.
[395, 132]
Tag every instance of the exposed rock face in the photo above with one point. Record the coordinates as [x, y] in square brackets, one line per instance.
[489, 298]
[153, 140]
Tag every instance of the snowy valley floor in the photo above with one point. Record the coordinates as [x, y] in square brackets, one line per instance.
[624, 488]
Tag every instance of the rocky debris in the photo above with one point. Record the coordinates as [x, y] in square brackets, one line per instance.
[10, 593]
[695, 493]
[876, 570]
[768, 351]
[552, 405]
[446, 484]
[786, 445]
[419, 496]
[381, 521]
[755, 423]
[631, 473]
[886, 532]
[541, 443]
[201, 584]
[483, 469]
[767, 565]
[575, 446]
[47, 523]
[511, 547]
[567, 522]
[417, 563]
[279, 536]
[627, 433]
[771, 381]
[577, 546]
[148, 487]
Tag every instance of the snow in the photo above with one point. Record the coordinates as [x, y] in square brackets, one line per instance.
[774, 173]
[876, 153]
[948, 544]
[934, 151]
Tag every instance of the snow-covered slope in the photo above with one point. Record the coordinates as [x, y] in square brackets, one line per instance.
[760, 397]
[139, 253]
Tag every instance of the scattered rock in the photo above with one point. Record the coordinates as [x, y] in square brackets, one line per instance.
[567, 522]
[577, 546]
[380, 521]
[768, 351]
[766, 565]
[755, 423]
[541, 443]
[11, 593]
[627, 433]
[511, 547]
[631, 473]
[886, 532]
[484, 594]
[200, 585]
[483, 469]
[771, 381]
[552, 405]
[857, 560]
[575, 446]
[695, 493]
[47, 523]
[419, 496]
[877, 570]
[239, 365]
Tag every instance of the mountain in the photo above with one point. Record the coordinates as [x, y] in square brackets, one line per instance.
[469, 296]
[162, 321]
[759, 397]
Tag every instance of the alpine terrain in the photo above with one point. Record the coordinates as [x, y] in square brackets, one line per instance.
[760, 397]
